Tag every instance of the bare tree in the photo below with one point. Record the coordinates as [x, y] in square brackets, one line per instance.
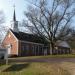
[51, 19]
[2, 27]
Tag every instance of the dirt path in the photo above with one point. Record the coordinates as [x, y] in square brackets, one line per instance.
[53, 60]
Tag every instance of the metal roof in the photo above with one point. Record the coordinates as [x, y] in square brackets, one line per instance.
[62, 44]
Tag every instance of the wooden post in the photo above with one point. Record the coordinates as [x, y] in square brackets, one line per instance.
[6, 58]
[7, 61]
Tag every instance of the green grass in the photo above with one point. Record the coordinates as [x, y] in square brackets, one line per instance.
[32, 69]
[35, 68]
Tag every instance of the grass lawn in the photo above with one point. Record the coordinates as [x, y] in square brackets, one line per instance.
[37, 68]
[32, 69]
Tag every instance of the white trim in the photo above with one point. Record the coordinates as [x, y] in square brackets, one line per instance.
[31, 42]
[5, 37]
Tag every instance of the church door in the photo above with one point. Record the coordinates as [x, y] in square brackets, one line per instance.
[9, 49]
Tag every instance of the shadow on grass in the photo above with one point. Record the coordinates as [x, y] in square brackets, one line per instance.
[16, 67]
[2, 62]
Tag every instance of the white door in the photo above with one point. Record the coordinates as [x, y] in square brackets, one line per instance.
[9, 50]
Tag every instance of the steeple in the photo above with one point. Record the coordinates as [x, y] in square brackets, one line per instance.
[15, 22]
[14, 16]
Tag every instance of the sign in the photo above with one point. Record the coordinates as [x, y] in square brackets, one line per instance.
[4, 54]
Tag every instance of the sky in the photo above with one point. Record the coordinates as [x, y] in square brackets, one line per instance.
[7, 6]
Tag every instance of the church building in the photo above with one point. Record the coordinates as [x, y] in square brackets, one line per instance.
[22, 44]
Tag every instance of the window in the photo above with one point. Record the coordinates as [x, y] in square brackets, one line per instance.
[23, 48]
[27, 47]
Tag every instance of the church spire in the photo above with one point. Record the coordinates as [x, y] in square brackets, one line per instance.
[14, 16]
[15, 22]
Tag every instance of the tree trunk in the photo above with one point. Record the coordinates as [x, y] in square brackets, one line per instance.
[50, 49]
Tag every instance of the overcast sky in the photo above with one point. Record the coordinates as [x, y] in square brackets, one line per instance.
[7, 7]
[20, 5]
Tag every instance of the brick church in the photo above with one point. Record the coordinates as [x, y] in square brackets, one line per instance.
[22, 44]
[25, 44]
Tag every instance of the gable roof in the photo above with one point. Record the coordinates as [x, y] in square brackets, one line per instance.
[28, 37]
[62, 44]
